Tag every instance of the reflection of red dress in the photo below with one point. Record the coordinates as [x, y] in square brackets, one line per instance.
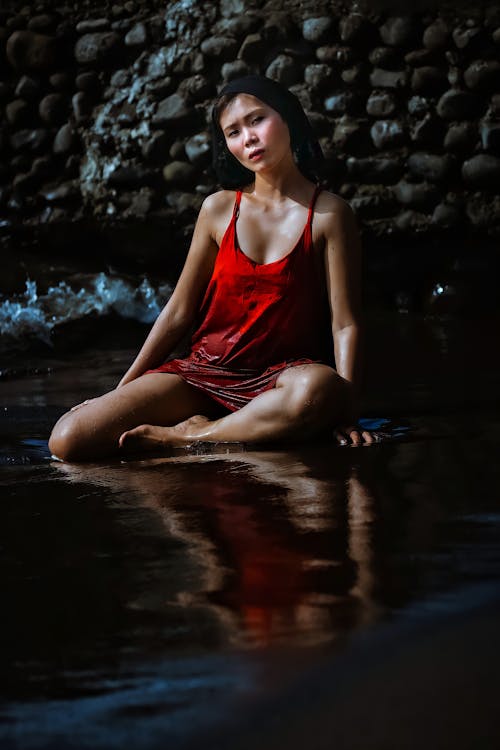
[257, 319]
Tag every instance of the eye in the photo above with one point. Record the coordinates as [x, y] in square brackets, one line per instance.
[231, 133]
[257, 119]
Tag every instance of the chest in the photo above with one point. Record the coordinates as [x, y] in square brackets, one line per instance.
[268, 236]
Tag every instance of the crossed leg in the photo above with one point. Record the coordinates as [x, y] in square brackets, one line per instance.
[307, 400]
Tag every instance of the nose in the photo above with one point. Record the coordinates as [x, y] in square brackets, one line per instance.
[249, 136]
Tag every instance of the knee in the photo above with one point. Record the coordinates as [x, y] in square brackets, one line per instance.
[65, 439]
[315, 396]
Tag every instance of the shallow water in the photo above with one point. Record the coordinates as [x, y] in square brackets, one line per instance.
[252, 597]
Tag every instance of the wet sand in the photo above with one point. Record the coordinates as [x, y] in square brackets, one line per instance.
[307, 596]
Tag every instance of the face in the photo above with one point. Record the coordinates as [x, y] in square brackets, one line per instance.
[255, 133]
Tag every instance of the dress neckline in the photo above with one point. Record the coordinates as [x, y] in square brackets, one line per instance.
[289, 253]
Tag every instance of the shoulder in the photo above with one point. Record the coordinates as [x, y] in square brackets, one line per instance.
[216, 211]
[334, 216]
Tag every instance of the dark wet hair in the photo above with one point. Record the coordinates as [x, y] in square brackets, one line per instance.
[305, 147]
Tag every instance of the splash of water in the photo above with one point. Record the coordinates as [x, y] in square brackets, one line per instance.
[31, 315]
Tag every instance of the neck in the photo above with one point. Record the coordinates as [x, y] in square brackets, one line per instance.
[284, 181]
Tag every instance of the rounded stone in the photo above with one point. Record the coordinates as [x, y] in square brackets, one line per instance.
[65, 140]
[446, 216]
[196, 88]
[198, 149]
[284, 69]
[97, 48]
[335, 54]
[388, 58]
[220, 47]
[374, 169]
[137, 36]
[416, 194]
[28, 51]
[91, 25]
[317, 30]
[82, 106]
[456, 104]
[179, 173]
[483, 211]
[43, 23]
[436, 35]
[381, 104]
[155, 148]
[483, 75]
[53, 109]
[460, 137]
[432, 167]
[347, 132]
[61, 81]
[340, 103]
[490, 136]
[252, 49]
[427, 132]
[173, 109]
[398, 31]
[418, 105]
[89, 82]
[466, 37]
[412, 221]
[355, 28]
[18, 113]
[419, 58]
[388, 79]
[317, 76]
[482, 171]
[28, 88]
[387, 134]
[31, 140]
[235, 69]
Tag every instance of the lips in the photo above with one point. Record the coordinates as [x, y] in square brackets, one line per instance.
[255, 154]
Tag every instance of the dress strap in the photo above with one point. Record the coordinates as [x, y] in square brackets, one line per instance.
[236, 208]
[318, 189]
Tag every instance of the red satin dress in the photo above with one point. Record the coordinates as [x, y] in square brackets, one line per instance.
[257, 319]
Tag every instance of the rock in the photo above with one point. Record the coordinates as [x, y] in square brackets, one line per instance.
[419, 58]
[220, 47]
[137, 36]
[374, 169]
[466, 37]
[461, 136]
[418, 105]
[356, 29]
[387, 58]
[57, 193]
[483, 75]
[482, 172]
[252, 49]
[496, 36]
[285, 70]
[43, 167]
[433, 167]
[318, 30]
[198, 149]
[399, 31]
[65, 141]
[412, 221]
[457, 105]
[373, 201]
[43, 23]
[141, 203]
[389, 79]
[120, 79]
[28, 88]
[348, 132]
[381, 104]
[335, 54]
[177, 151]
[483, 211]
[24, 183]
[429, 80]
[179, 173]
[99, 48]
[196, 88]
[230, 8]
[436, 35]
[92, 25]
[303, 94]
[29, 140]
[387, 134]
[127, 115]
[355, 76]
[53, 109]
[427, 132]
[235, 69]
[18, 113]
[82, 106]
[238, 27]
[155, 148]
[27, 51]
[341, 103]
[416, 195]
[318, 76]
[446, 216]
[173, 109]
[89, 83]
[61, 81]
[490, 136]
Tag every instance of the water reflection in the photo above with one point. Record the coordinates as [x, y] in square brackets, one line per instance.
[280, 544]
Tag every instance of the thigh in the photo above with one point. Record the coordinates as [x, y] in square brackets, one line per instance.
[155, 398]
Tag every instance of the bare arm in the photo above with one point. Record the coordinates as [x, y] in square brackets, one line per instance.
[343, 274]
[178, 314]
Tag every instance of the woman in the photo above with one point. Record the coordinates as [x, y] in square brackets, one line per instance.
[272, 284]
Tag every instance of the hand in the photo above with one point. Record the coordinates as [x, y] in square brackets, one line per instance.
[355, 435]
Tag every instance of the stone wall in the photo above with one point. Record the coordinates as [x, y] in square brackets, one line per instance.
[104, 110]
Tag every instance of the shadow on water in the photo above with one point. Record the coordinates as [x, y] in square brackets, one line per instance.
[254, 597]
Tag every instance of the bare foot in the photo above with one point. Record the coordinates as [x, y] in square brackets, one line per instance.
[153, 438]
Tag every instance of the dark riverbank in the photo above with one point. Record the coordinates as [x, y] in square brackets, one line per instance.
[259, 595]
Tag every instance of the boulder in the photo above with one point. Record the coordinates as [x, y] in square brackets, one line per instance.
[53, 109]
[285, 70]
[28, 88]
[387, 134]
[137, 37]
[483, 75]
[179, 173]
[381, 104]
[99, 48]
[318, 30]
[416, 194]
[429, 80]
[456, 104]
[436, 35]
[399, 31]
[482, 172]
[28, 51]
[461, 136]
[432, 167]
[65, 140]
[383, 170]
[198, 149]
[220, 47]
[490, 136]
[389, 79]
[173, 109]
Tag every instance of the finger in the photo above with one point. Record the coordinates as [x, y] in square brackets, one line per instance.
[355, 437]
[340, 437]
[369, 437]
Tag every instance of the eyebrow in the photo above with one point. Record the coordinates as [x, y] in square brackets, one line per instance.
[246, 117]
